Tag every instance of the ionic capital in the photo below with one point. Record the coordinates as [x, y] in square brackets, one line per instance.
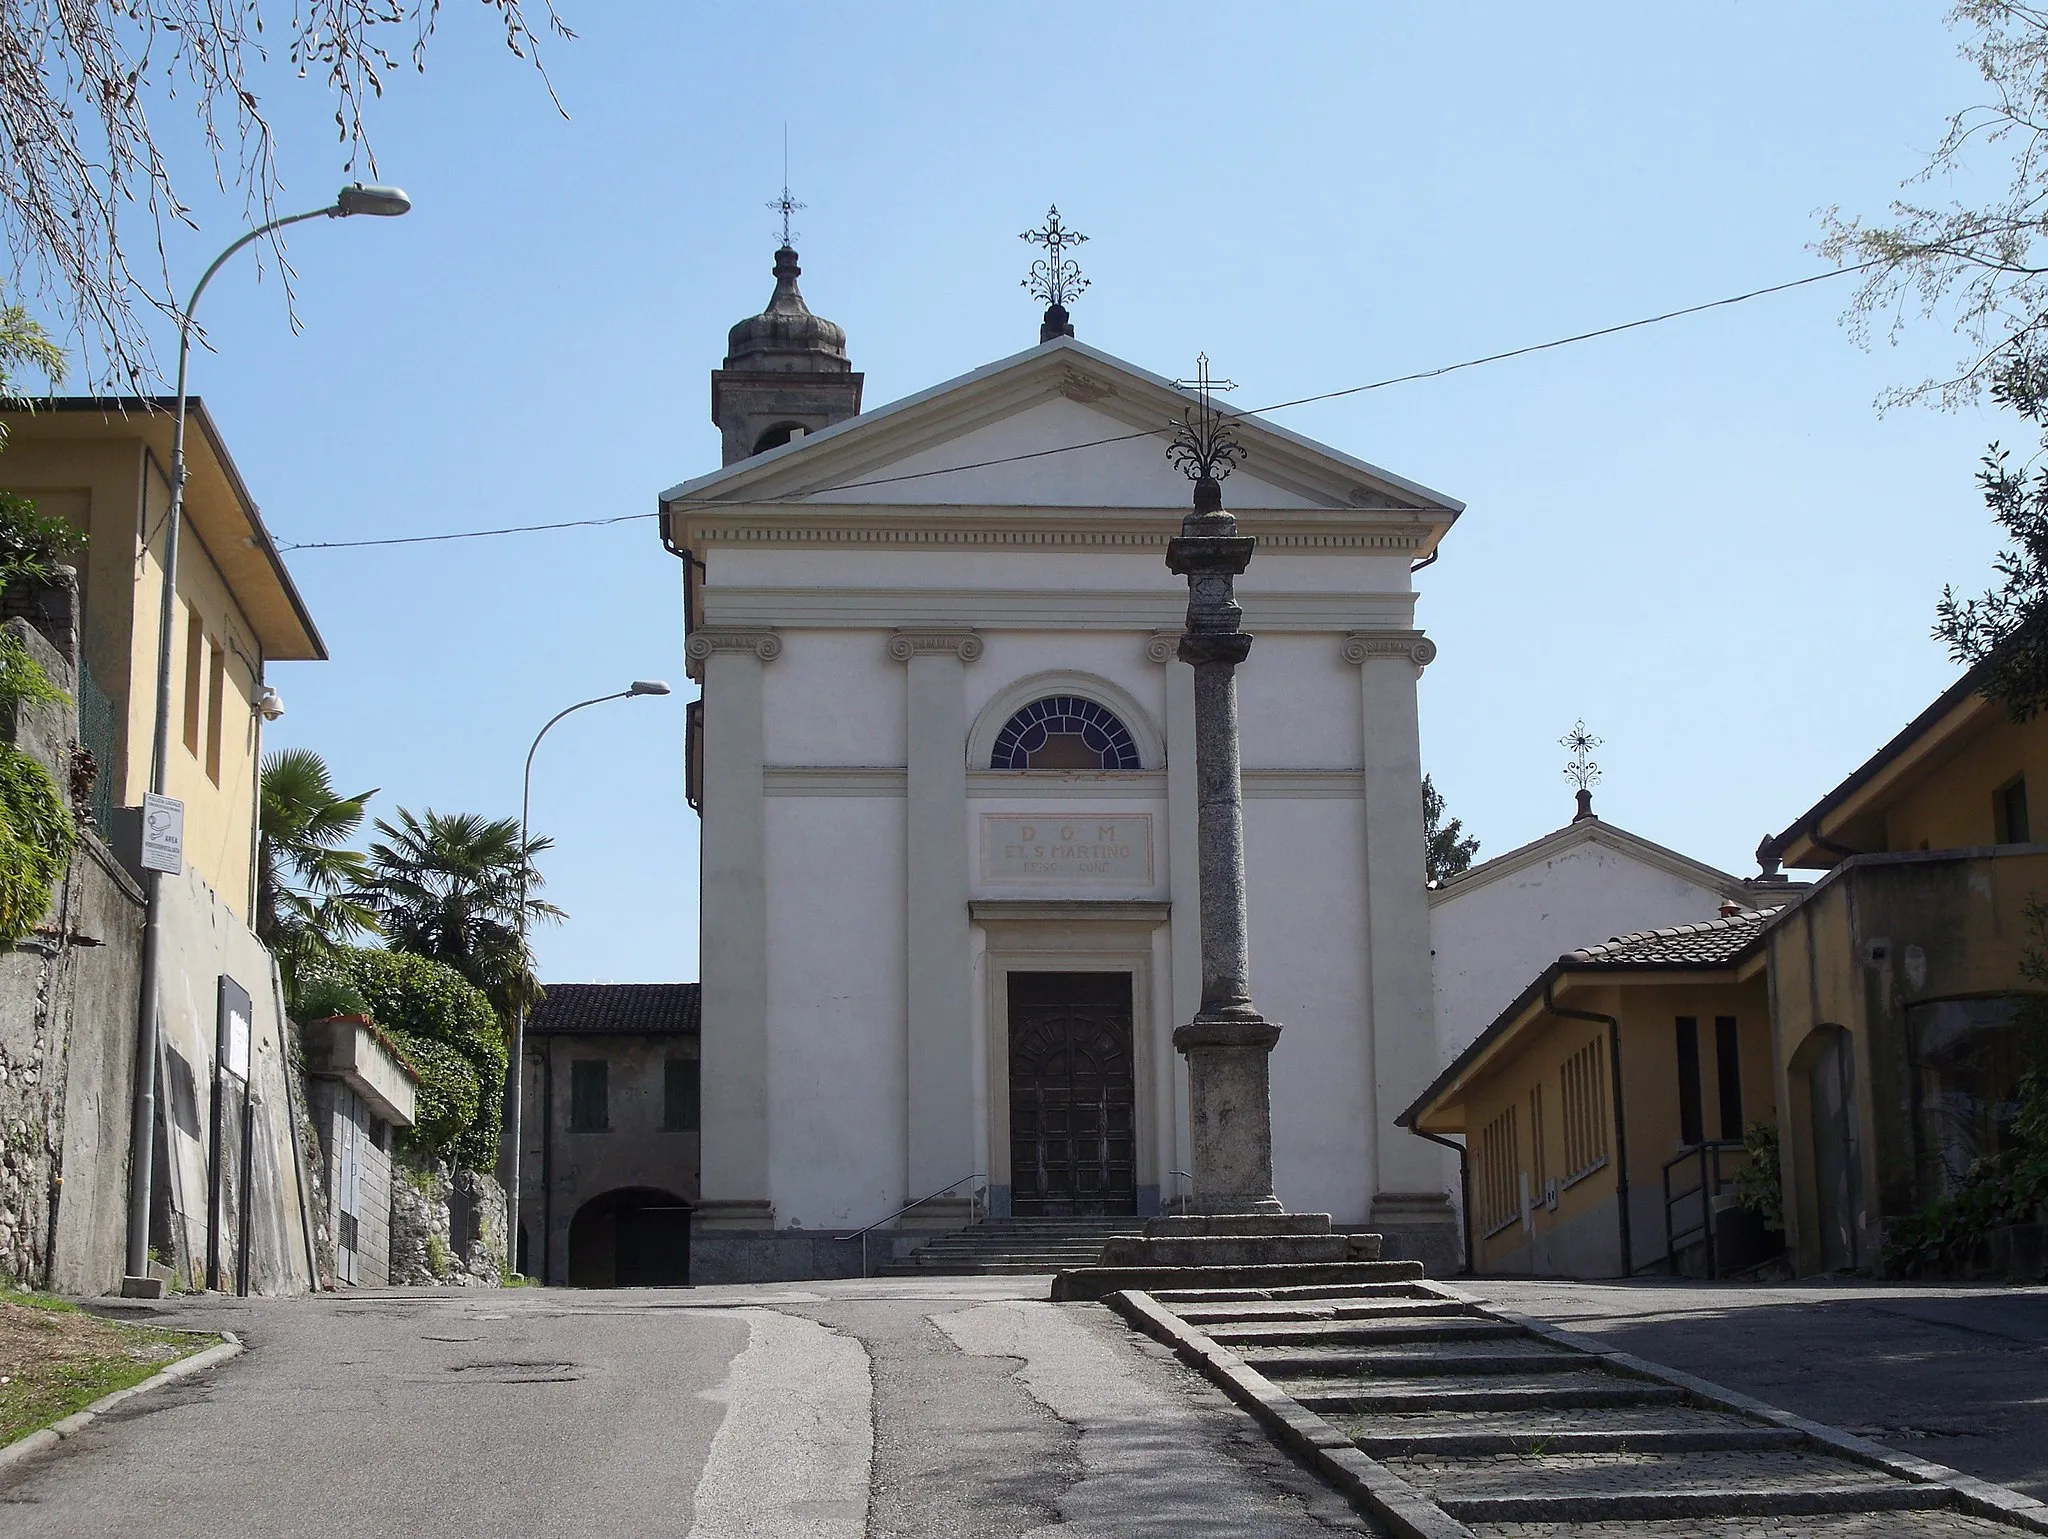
[1161, 646]
[1364, 646]
[705, 640]
[965, 645]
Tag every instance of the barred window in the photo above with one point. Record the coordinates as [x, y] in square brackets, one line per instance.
[1499, 1196]
[1584, 1103]
[1539, 1160]
[589, 1091]
[1064, 732]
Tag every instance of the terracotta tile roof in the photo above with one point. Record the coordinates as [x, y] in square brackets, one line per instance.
[1709, 943]
[616, 1009]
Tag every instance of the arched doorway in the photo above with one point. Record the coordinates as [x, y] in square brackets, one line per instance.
[634, 1237]
[1824, 1069]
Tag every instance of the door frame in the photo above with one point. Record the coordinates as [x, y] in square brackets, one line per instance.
[1035, 936]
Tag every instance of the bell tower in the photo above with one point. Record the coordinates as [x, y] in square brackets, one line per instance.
[786, 371]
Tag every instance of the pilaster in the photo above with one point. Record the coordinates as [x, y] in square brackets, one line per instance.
[733, 925]
[1397, 909]
[938, 1043]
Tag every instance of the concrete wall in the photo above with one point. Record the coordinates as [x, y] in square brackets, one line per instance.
[333, 1105]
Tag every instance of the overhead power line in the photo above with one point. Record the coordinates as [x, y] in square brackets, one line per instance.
[1118, 438]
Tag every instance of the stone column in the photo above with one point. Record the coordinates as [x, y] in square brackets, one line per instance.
[1409, 1179]
[938, 1045]
[1228, 1043]
[733, 928]
[1184, 887]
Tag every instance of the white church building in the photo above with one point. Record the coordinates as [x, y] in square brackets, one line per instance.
[945, 765]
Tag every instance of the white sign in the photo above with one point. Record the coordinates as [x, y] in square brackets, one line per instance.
[238, 1045]
[1067, 847]
[163, 834]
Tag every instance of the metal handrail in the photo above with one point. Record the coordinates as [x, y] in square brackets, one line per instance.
[974, 1213]
[1706, 1151]
[1190, 1178]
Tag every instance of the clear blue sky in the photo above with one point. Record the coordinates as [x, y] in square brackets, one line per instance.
[1701, 537]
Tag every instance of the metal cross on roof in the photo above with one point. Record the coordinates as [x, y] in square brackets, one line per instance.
[1202, 448]
[1055, 277]
[788, 205]
[1582, 771]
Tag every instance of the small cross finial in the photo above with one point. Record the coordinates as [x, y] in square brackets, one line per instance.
[1055, 277]
[1202, 448]
[1582, 771]
[786, 204]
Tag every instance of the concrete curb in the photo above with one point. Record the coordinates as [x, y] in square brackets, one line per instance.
[39, 1442]
[1369, 1485]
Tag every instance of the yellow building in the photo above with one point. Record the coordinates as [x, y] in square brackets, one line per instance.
[104, 466]
[1881, 1021]
[1601, 1103]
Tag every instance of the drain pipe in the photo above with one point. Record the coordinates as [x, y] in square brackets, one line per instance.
[1464, 1190]
[1613, 1024]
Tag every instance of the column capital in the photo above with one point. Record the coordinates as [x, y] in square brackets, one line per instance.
[705, 640]
[965, 645]
[1363, 646]
[1162, 646]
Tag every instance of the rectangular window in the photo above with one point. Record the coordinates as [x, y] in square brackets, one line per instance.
[216, 697]
[1728, 1074]
[588, 1088]
[1499, 1195]
[693, 755]
[1689, 1114]
[679, 1093]
[2009, 812]
[195, 673]
[1584, 1107]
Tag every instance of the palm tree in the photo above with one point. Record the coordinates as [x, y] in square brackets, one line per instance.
[452, 886]
[306, 875]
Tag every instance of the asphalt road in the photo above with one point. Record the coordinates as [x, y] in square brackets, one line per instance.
[961, 1408]
[1958, 1375]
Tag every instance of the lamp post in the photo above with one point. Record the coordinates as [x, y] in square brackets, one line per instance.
[515, 1072]
[383, 202]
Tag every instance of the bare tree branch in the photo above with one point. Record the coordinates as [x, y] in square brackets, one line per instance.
[81, 160]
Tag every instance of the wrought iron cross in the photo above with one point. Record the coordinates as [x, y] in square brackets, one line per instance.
[786, 204]
[1582, 771]
[1055, 277]
[1202, 448]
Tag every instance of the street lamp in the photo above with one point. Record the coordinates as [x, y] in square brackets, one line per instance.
[356, 198]
[515, 1078]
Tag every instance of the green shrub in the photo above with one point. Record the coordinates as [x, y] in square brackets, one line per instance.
[36, 836]
[448, 1032]
[1948, 1235]
[32, 546]
[1760, 1184]
[324, 995]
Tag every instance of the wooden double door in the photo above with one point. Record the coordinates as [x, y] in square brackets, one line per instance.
[1073, 1139]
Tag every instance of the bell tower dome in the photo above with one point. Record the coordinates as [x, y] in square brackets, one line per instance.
[786, 372]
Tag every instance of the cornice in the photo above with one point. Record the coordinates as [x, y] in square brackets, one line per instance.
[1386, 531]
[965, 645]
[1021, 786]
[983, 609]
[707, 639]
[1364, 646]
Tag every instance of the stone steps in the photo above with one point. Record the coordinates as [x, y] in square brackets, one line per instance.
[1474, 1424]
[1011, 1247]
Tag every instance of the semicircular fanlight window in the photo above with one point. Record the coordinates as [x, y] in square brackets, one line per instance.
[1064, 732]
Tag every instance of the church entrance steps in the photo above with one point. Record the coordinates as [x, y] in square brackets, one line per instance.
[1014, 1247]
[1444, 1419]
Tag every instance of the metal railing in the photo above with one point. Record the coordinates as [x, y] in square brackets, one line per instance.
[976, 1209]
[96, 736]
[1711, 1183]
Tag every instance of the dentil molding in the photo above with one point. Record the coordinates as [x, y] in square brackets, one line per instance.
[1364, 646]
[965, 645]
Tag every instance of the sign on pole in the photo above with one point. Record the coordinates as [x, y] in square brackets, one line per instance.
[163, 834]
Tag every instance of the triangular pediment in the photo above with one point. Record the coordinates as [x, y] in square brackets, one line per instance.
[1063, 425]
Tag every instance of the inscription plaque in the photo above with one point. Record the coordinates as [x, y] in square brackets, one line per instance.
[1066, 847]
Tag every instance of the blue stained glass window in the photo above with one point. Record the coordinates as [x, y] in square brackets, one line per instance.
[1064, 732]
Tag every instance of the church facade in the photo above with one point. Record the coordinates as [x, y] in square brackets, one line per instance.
[945, 766]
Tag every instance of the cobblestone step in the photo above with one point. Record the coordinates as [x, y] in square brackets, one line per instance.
[1640, 1484]
[1294, 1362]
[1458, 1442]
[1523, 1427]
[1348, 1308]
[1365, 1333]
[1937, 1524]
[1562, 1392]
[1310, 1292]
